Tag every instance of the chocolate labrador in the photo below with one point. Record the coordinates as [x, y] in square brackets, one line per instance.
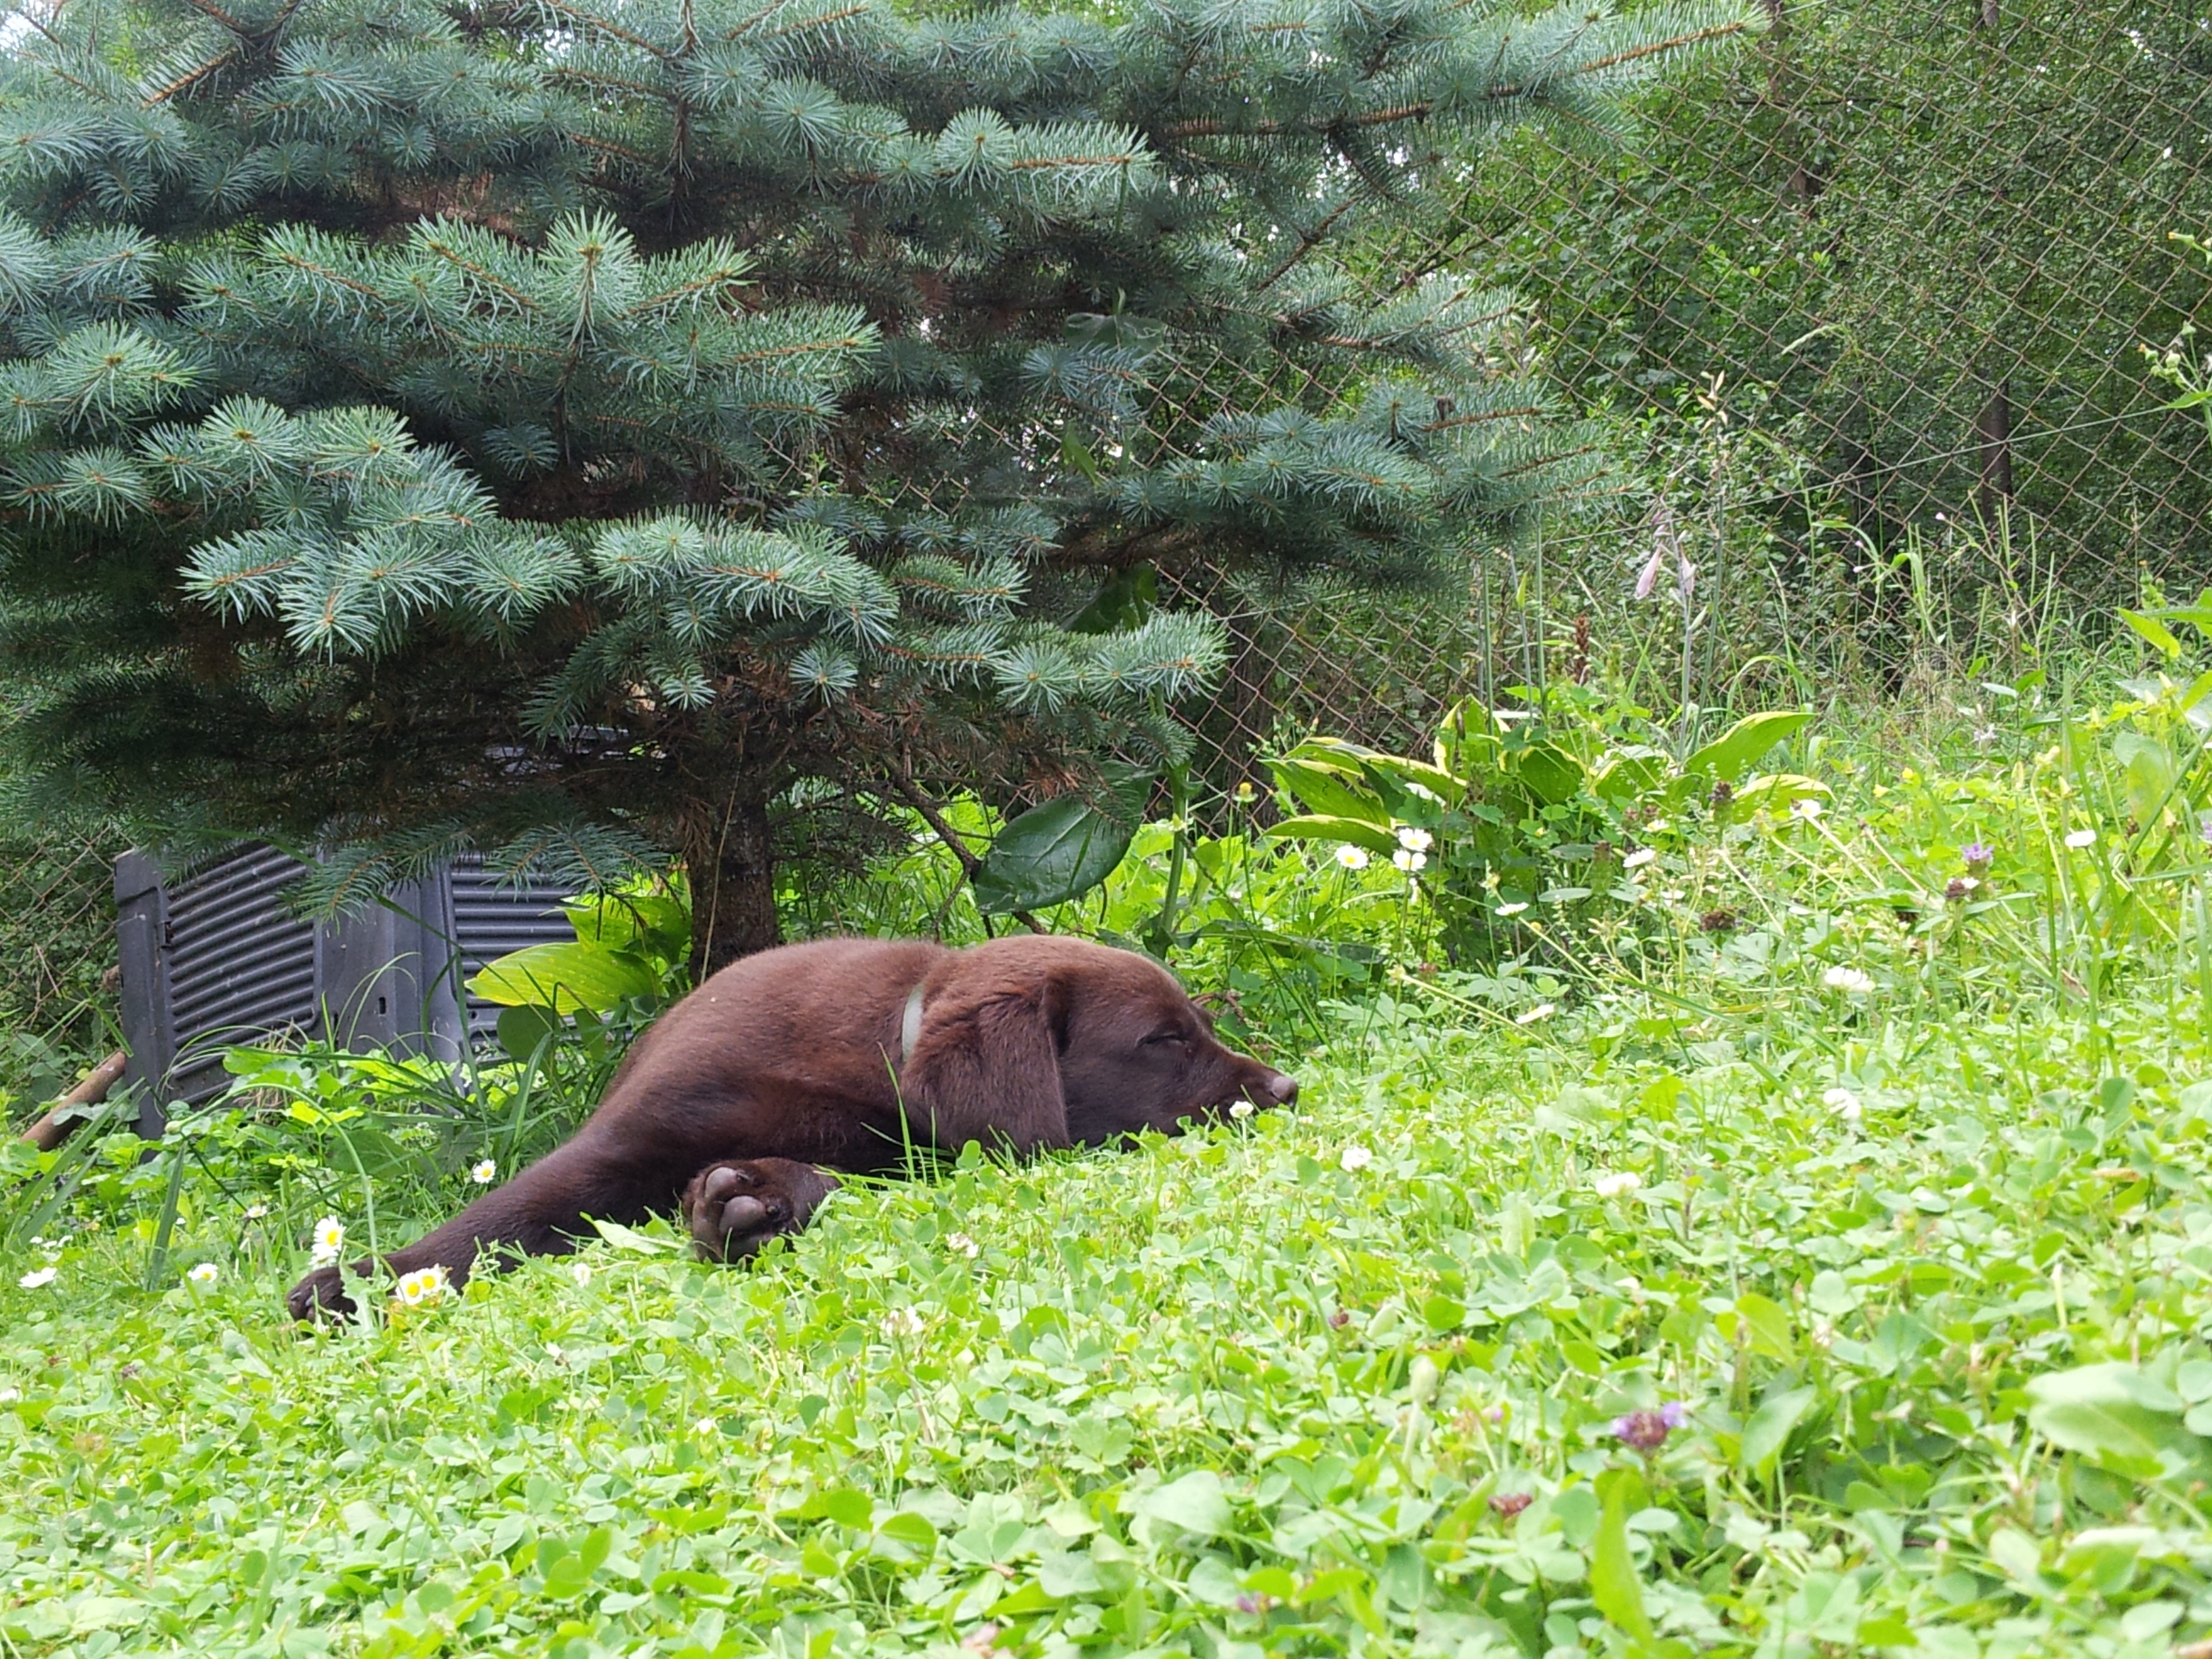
[838, 1055]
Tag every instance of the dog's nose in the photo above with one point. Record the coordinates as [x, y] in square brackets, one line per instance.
[1285, 1088]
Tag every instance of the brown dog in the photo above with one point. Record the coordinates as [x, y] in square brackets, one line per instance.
[842, 1053]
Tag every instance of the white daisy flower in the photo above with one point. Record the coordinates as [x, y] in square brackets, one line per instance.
[38, 1279]
[483, 1174]
[1415, 841]
[1350, 857]
[256, 1211]
[1409, 860]
[423, 1285]
[206, 1274]
[330, 1240]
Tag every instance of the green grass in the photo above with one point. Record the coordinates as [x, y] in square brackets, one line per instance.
[1928, 1270]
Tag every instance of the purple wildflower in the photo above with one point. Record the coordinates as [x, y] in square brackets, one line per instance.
[1674, 1413]
[1643, 1431]
[1979, 855]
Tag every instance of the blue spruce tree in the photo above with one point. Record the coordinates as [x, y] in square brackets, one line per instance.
[590, 430]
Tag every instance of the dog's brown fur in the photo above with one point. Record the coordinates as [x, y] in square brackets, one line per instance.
[786, 1065]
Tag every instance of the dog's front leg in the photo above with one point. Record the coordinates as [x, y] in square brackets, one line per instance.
[539, 1212]
[734, 1207]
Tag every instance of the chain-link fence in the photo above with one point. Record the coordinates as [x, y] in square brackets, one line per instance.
[1859, 316]
[57, 952]
[1862, 315]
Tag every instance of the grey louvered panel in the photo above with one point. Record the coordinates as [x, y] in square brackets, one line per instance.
[492, 917]
[237, 962]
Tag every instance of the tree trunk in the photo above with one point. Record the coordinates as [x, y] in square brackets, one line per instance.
[731, 857]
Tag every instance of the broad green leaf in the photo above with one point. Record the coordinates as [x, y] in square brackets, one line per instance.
[564, 978]
[2147, 773]
[1548, 772]
[1196, 1502]
[2114, 1411]
[1625, 774]
[1767, 1323]
[1356, 831]
[1728, 755]
[633, 1241]
[522, 1028]
[1434, 779]
[1775, 792]
[1329, 792]
[1768, 1431]
[2151, 628]
[1050, 854]
[1615, 1585]
[653, 925]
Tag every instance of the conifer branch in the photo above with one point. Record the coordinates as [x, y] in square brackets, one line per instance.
[190, 79]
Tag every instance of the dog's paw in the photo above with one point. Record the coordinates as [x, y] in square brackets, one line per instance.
[734, 1208]
[320, 1295]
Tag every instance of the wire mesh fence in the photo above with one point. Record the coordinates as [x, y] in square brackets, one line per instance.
[1875, 318]
[57, 949]
[1870, 322]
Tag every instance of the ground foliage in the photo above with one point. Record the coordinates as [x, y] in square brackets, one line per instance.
[1833, 1277]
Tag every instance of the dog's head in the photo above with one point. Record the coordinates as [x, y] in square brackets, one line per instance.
[1027, 1029]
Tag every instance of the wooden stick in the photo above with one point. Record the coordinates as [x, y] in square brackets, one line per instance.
[49, 1131]
[969, 862]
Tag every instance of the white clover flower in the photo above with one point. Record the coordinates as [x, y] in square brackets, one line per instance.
[1408, 860]
[1510, 909]
[423, 1285]
[902, 1321]
[1614, 1183]
[1844, 1103]
[580, 1272]
[2078, 839]
[706, 1428]
[1414, 841]
[1241, 1109]
[484, 1174]
[38, 1279]
[206, 1274]
[9, 1396]
[1849, 981]
[256, 1211]
[1541, 1011]
[961, 1244]
[330, 1239]
[1354, 1158]
[1638, 858]
[1350, 857]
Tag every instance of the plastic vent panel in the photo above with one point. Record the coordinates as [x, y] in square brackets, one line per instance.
[237, 964]
[493, 917]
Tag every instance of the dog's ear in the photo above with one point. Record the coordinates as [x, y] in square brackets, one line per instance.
[986, 1065]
